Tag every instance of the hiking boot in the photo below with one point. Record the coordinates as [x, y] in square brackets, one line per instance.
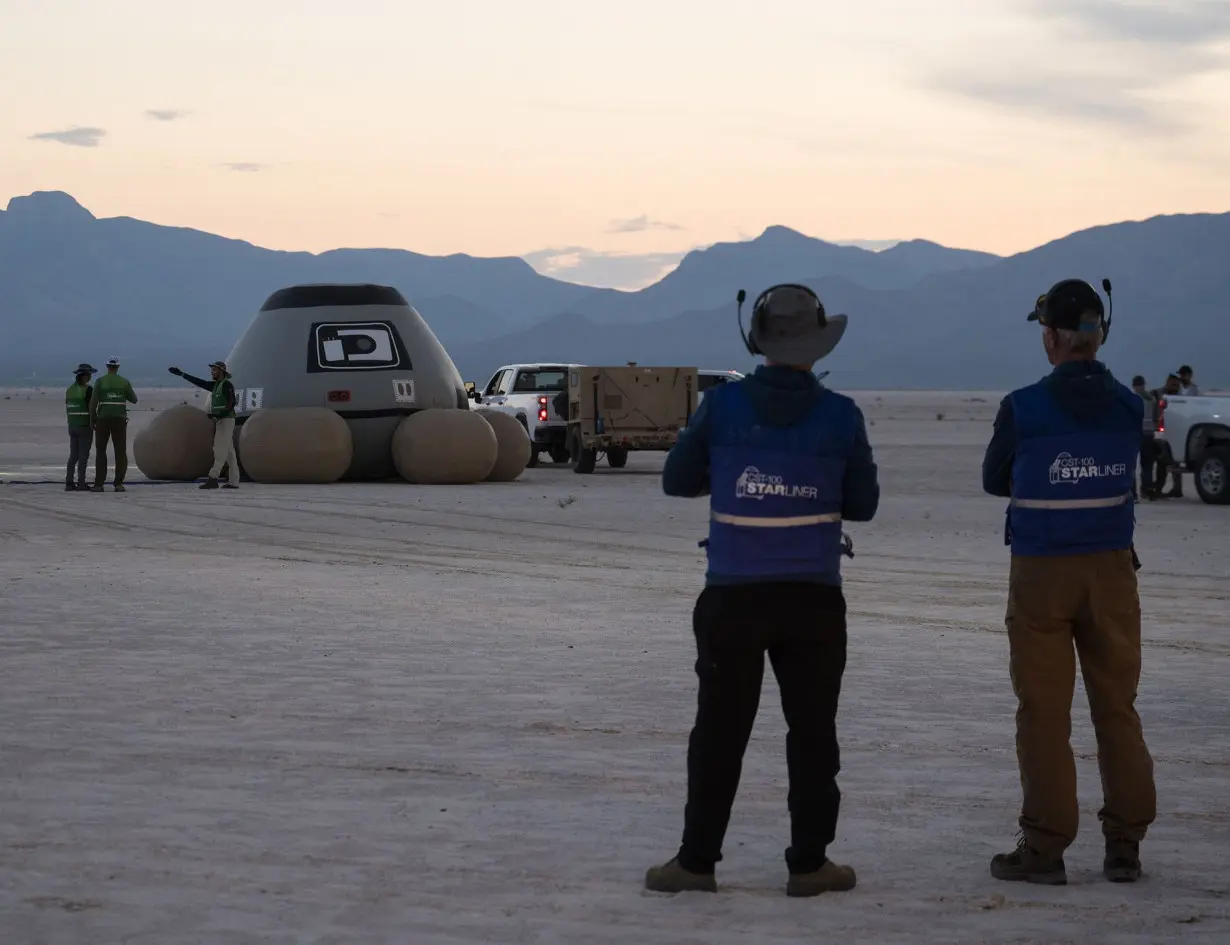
[119, 487]
[1122, 862]
[829, 878]
[1027, 865]
[210, 483]
[96, 488]
[673, 878]
[69, 487]
[229, 486]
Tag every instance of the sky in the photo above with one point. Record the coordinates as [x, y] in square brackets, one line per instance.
[601, 140]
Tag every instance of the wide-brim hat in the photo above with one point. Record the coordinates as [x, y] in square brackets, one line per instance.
[84, 368]
[790, 326]
[220, 365]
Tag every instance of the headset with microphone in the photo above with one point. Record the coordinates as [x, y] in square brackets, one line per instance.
[758, 308]
[758, 315]
[1104, 316]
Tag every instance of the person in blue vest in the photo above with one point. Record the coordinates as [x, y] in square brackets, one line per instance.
[784, 461]
[1064, 452]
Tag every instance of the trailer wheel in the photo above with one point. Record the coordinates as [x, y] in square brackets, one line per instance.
[617, 458]
[583, 460]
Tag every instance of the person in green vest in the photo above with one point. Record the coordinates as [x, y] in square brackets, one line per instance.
[80, 429]
[222, 411]
[109, 411]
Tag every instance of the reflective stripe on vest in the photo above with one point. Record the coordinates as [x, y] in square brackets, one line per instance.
[794, 521]
[1072, 503]
[775, 492]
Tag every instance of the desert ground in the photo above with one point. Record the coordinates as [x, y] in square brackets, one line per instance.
[382, 713]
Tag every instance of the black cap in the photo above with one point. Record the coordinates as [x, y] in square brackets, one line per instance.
[1072, 304]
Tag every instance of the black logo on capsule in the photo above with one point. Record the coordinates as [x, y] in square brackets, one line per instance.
[355, 346]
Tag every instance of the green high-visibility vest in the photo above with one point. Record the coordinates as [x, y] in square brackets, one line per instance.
[111, 391]
[217, 401]
[77, 405]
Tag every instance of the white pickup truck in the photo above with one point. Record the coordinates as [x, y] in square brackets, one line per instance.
[1198, 432]
[709, 379]
[531, 393]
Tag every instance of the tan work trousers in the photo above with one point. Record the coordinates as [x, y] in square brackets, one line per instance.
[1090, 601]
[224, 450]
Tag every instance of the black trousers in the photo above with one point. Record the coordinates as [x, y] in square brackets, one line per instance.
[802, 627]
[79, 441]
[1148, 462]
[1166, 464]
[114, 429]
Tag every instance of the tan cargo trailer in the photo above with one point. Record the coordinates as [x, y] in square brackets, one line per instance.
[615, 410]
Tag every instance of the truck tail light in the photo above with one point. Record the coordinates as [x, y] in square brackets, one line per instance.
[1161, 416]
[542, 410]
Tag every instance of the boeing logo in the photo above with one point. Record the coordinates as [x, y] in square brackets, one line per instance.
[1067, 468]
[753, 484]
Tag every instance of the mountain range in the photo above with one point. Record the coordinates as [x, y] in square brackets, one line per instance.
[73, 287]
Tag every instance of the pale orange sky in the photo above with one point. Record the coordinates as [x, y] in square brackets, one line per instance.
[618, 135]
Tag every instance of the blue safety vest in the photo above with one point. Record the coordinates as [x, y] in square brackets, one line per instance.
[1072, 483]
[775, 492]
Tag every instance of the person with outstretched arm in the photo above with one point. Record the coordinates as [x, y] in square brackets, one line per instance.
[784, 461]
[222, 412]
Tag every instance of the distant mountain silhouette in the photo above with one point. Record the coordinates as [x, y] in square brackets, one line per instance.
[125, 285]
[922, 315]
[709, 277]
[962, 329]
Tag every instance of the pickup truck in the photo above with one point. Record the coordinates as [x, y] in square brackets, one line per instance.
[1198, 432]
[531, 393]
[707, 379]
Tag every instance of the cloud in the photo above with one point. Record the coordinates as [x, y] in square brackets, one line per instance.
[166, 114]
[874, 246]
[76, 137]
[244, 167]
[1107, 101]
[640, 225]
[593, 267]
[1175, 24]
[1111, 62]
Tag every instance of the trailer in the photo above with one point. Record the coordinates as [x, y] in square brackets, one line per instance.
[618, 410]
